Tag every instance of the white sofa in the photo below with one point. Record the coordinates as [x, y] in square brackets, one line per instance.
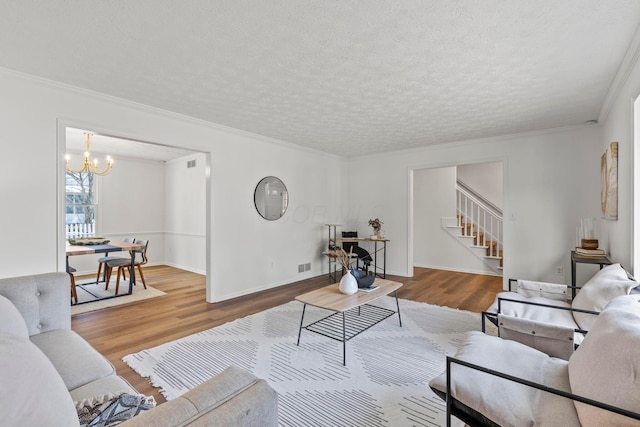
[45, 367]
[603, 369]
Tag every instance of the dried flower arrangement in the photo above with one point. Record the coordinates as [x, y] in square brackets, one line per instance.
[344, 258]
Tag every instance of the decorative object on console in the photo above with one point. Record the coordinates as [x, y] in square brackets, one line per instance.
[590, 252]
[377, 228]
[585, 234]
[589, 244]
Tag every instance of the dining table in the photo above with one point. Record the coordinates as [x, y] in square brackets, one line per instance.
[106, 248]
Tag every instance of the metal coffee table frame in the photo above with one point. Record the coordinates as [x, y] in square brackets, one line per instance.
[343, 325]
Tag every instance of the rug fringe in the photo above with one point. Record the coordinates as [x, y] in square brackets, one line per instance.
[132, 362]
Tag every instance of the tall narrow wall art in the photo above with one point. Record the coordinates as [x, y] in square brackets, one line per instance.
[609, 180]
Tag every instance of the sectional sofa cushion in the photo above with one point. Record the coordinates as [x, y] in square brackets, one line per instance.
[11, 321]
[75, 360]
[32, 392]
[610, 282]
[606, 366]
[111, 384]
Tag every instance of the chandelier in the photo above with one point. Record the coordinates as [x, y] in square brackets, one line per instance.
[89, 165]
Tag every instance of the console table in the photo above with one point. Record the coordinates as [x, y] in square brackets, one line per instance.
[584, 259]
[335, 243]
[382, 249]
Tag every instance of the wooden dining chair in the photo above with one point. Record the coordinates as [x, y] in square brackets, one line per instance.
[74, 292]
[103, 260]
[123, 264]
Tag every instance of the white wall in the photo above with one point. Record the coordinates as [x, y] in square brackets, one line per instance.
[618, 126]
[185, 211]
[551, 180]
[247, 253]
[485, 179]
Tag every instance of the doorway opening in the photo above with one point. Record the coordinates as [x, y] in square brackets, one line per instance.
[456, 217]
[154, 192]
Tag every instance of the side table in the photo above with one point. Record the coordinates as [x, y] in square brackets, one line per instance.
[583, 259]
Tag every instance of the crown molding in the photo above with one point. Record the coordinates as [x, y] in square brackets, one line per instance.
[628, 62]
[476, 141]
[169, 114]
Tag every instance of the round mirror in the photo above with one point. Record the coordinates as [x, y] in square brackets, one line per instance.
[271, 198]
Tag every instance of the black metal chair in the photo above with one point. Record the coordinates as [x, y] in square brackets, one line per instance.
[363, 256]
[493, 381]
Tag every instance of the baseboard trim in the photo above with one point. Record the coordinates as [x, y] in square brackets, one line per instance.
[184, 267]
[458, 270]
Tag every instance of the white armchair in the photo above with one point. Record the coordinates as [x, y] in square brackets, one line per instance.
[539, 315]
[496, 382]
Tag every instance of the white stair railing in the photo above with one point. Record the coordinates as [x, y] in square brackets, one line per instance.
[476, 214]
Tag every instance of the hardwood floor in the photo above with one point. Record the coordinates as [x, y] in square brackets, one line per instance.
[118, 331]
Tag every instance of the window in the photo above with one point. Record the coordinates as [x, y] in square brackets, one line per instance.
[80, 204]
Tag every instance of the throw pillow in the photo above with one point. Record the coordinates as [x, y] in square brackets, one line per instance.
[610, 282]
[605, 366]
[111, 410]
[11, 321]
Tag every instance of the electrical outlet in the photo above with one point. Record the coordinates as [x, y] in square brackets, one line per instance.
[559, 271]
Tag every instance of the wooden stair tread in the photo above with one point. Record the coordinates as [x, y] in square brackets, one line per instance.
[479, 241]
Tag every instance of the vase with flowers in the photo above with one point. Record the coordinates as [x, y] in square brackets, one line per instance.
[376, 224]
[348, 283]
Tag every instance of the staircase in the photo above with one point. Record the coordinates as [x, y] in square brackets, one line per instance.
[478, 226]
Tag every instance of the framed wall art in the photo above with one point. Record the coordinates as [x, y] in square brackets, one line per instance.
[609, 180]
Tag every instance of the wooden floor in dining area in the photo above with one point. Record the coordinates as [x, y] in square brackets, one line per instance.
[121, 330]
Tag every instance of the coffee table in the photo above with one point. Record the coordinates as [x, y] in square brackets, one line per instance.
[352, 314]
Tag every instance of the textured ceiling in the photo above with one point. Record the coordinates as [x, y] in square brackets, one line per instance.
[347, 77]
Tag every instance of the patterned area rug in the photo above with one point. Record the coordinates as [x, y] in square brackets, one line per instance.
[385, 382]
